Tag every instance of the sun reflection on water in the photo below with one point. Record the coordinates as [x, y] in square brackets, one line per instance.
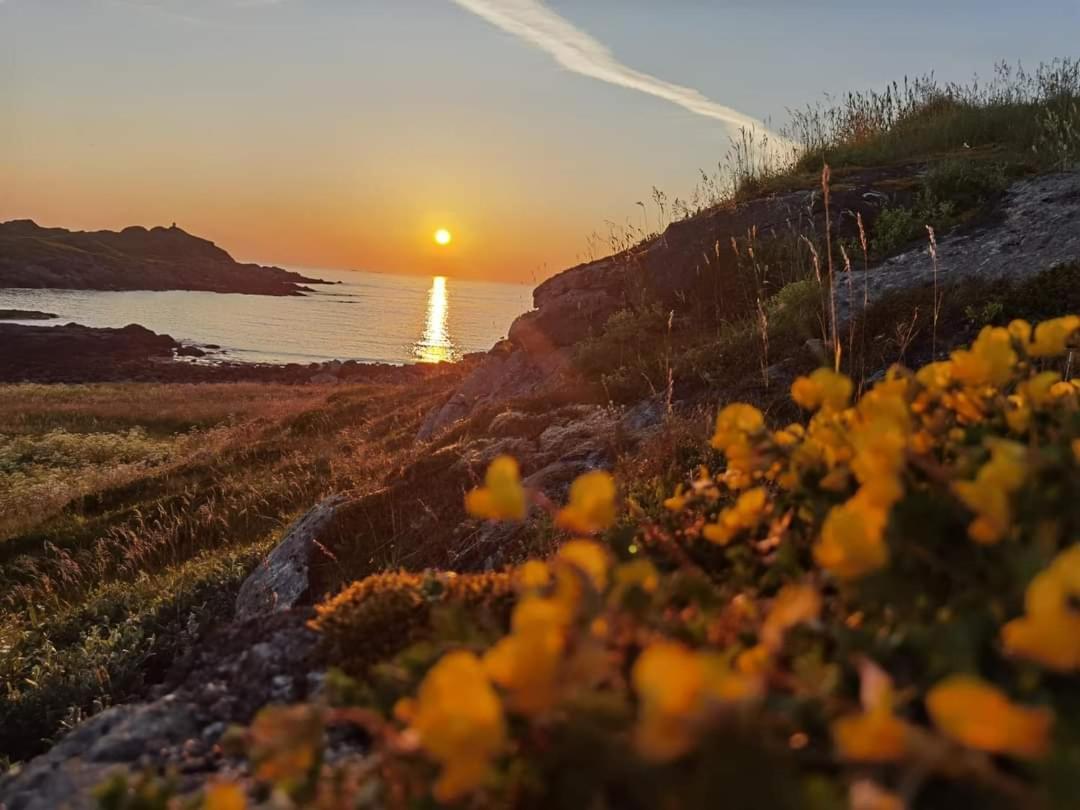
[435, 346]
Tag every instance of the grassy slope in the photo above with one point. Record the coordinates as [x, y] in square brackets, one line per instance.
[132, 512]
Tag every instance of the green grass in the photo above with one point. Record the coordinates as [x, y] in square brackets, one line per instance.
[1026, 113]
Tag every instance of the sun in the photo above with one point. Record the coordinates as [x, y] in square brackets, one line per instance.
[443, 237]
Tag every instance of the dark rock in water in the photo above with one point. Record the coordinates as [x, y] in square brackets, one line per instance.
[281, 581]
[26, 315]
[133, 259]
[72, 353]
[35, 352]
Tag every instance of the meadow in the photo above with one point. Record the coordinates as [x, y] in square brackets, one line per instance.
[131, 513]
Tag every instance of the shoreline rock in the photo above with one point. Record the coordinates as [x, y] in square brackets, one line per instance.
[72, 353]
[26, 315]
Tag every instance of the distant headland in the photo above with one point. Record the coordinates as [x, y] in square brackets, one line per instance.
[135, 258]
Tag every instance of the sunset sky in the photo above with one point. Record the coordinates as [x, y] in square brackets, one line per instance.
[342, 133]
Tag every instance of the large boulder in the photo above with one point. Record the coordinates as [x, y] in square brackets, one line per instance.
[505, 373]
[282, 579]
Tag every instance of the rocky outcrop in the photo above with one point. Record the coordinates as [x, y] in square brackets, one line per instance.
[691, 258]
[282, 579]
[1037, 227]
[506, 372]
[246, 666]
[135, 258]
[26, 315]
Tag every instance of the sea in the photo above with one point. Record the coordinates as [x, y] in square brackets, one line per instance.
[364, 316]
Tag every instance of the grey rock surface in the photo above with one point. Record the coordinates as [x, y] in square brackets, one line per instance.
[282, 579]
[236, 672]
[1038, 228]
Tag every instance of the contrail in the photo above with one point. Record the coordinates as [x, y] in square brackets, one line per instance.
[576, 50]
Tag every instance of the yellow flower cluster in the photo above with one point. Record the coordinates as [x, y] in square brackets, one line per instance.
[988, 496]
[977, 715]
[971, 442]
[901, 426]
[1049, 630]
[557, 643]
[458, 715]
[459, 721]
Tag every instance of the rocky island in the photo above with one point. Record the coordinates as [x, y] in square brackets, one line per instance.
[135, 258]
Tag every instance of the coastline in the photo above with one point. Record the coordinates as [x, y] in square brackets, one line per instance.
[75, 354]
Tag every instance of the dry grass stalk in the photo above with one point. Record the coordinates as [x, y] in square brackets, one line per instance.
[864, 244]
[937, 296]
[826, 176]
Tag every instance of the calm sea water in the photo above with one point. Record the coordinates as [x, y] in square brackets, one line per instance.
[367, 317]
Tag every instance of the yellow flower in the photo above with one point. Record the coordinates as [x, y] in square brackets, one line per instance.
[989, 361]
[989, 494]
[678, 501]
[526, 662]
[795, 604]
[867, 795]
[1020, 330]
[224, 796]
[977, 715]
[460, 723]
[1038, 388]
[1018, 414]
[1051, 337]
[853, 540]
[1064, 390]
[734, 423]
[638, 573]
[824, 388]
[285, 742]
[502, 497]
[669, 681]
[592, 504]
[880, 458]
[789, 436]
[588, 557]
[534, 575]
[1049, 632]
[677, 689]
[744, 515]
[935, 376]
[875, 734]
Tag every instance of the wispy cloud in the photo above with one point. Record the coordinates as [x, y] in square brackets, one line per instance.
[575, 50]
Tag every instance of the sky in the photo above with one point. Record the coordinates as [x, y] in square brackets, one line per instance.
[343, 133]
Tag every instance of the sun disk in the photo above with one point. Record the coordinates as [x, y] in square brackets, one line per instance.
[443, 237]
